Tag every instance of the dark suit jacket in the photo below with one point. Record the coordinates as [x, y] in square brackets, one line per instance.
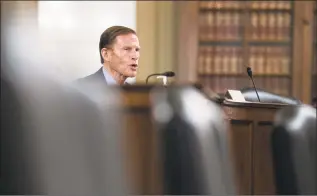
[96, 77]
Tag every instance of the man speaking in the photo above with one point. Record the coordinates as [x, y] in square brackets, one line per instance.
[119, 50]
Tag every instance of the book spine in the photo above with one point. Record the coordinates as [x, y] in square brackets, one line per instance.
[254, 26]
[285, 58]
[201, 60]
[226, 61]
[209, 61]
[279, 26]
[233, 61]
[210, 26]
[262, 26]
[286, 26]
[217, 60]
[271, 26]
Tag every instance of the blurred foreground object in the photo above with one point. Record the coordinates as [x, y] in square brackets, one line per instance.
[70, 142]
[56, 139]
[314, 102]
[193, 143]
[294, 151]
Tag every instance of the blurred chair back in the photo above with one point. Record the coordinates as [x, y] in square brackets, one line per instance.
[294, 150]
[193, 141]
[17, 173]
[59, 140]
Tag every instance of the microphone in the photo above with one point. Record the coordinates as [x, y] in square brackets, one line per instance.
[167, 74]
[249, 71]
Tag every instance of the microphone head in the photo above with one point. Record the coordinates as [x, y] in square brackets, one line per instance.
[249, 70]
[169, 74]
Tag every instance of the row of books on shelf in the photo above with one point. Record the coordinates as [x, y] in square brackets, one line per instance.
[228, 60]
[275, 85]
[270, 26]
[263, 5]
[214, 25]
[227, 26]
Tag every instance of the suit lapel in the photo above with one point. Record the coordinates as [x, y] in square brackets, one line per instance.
[98, 76]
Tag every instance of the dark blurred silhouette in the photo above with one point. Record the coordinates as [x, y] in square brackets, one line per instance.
[17, 173]
[314, 102]
[195, 154]
[56, 139]
[294, 151]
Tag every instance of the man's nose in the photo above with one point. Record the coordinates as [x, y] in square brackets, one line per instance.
[135, 56]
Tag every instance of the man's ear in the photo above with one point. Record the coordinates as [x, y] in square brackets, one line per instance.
[106, 54]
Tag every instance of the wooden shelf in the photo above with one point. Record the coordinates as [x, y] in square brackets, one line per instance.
[239, 42]
[269, 10]
[220, 43]
[206, 9]
[268, 42]
[242, 9]
[221, 40]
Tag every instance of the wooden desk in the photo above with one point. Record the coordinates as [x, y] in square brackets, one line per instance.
[250, 128]
[141, 142]
[249, 136]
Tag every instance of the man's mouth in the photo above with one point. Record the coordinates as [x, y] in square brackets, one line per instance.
[134, 66]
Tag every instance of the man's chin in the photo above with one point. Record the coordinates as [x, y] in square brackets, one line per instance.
[131, 75]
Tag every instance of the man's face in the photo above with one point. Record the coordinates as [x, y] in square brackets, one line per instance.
[124, 55]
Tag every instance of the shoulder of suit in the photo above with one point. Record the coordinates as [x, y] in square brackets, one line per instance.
[90, 77]
[90, 81]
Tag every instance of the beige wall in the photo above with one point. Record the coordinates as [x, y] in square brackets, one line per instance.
[155, 24]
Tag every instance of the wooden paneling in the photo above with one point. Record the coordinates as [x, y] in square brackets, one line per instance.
[308, 25]
[250, 129]
[262, 164]
[140, 142]
[187, 35]
[240, 137]
[302, 50]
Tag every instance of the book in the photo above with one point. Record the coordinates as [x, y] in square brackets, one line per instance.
[201, 60]
[234, 60]
[217, 60]
[285, 61]
[262, 26]
[254, 26]
[208, 62]
[279, 27]
[260, 60]
[271, 26]
[210, 26]
[225, 60]
[286, 26]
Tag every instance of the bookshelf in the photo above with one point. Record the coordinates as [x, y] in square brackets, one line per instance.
[235, 34]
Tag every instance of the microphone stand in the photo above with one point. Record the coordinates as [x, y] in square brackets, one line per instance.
[147, 78]
[249, 70]
[167, 74]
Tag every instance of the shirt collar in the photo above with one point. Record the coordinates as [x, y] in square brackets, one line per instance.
[109, 79]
